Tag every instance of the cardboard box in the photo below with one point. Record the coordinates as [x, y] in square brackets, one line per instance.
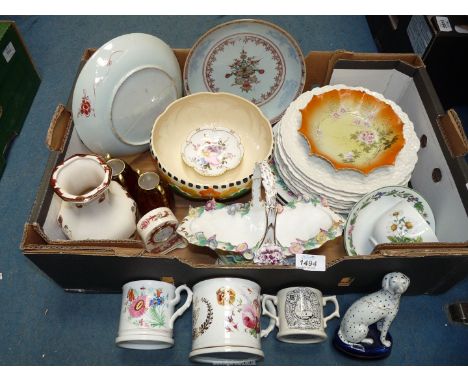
[441, 41]
[19, 82]
[104, 266]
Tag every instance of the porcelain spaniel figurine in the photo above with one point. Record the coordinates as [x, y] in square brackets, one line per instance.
[380, 307]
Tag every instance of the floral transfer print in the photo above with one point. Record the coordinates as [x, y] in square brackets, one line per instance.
[371, 138]
[146, 307]
[352, 129]
[212, 155]
[400, 228]
[244, 70]
[225, 296]
[404, 195]
[85, 108]
[242, 310]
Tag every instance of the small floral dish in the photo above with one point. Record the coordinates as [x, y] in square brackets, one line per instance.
[352, 130]
[368, 220]
[212, 151]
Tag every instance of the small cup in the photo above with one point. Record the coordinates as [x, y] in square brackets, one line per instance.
[158, 228]
[300, 315]
[152, 193]
[147, 316]
[402, 224]
[123, 174]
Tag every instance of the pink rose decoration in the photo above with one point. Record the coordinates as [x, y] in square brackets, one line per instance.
[210, 205]
[242, 247]
[367, 137]
[296, 248]
[250, 317]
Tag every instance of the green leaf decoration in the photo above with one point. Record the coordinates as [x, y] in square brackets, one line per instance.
[404, 240]
[419, 207]
[157, 317]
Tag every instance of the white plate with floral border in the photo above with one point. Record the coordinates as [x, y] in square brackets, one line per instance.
[212, 151]
[368, 210]
[253, 59]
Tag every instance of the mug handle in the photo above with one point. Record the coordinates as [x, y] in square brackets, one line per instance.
[336, 312]
[268, 308]
[176, 300]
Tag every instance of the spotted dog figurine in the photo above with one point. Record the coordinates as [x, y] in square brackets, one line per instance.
[380, 307]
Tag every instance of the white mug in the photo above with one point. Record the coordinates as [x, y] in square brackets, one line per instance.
[147, 316]
[300, 314]
[157, 229]
[226, 322]
[402, 224]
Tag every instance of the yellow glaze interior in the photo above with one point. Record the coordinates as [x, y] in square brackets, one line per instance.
[203, 110]
[352, 130]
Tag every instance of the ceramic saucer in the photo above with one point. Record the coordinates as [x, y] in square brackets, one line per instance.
[212, 151]
[367, 211]
[253, 59]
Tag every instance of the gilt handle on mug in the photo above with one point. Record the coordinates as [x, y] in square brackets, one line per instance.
[176, 300]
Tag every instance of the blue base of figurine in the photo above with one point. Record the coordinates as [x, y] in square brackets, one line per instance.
[364, 351]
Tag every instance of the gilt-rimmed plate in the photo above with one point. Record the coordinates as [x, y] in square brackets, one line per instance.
[254, 59]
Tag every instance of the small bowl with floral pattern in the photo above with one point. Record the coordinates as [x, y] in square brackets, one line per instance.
[212, 151]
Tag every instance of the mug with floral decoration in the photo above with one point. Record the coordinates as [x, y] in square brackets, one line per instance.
[147, 316]
[226, 322]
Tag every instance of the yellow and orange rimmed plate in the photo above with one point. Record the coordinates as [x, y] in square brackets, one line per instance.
[352, 130]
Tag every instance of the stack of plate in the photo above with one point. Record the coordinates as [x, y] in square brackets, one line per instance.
[352, 142]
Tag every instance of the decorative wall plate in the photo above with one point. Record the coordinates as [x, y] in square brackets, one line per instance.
[365, 214]
[212, 151]
[352, 130]
[202, 110]
[120, 91]
[253, 59]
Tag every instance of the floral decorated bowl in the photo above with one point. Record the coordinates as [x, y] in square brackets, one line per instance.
[352, 129]
[235, 231]
[210, 111]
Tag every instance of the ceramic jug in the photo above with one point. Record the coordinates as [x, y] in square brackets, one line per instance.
[93, 206]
